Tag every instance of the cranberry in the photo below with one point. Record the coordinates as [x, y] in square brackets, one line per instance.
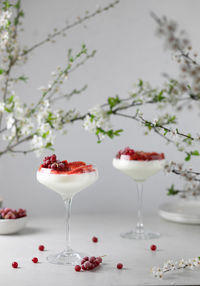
[77, 268]
[54, 166]
[53, 158]
[83, 267]
[41, 247]
[92, 259]
[15, 264]
[99, 259]
[153, 247]
[35, 260]
[61, 166]
[95, 239]
[119, 266]
[86, 258]
[87, 265]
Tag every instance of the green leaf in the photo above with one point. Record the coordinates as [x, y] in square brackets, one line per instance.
[44, 135]
[49, 145]
[159, 97]
[195, 153]
[172, 191]
[8, 109]
[2, 71]
[188, 157]
[140, 84]
[23, 78]
[10, 99]
[113, 101]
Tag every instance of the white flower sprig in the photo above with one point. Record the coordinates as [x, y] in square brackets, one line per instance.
[171, 265]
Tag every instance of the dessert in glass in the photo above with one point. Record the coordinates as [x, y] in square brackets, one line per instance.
[66, 179]
[139, 166]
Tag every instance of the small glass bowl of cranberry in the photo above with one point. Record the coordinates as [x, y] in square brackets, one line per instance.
[12, 221]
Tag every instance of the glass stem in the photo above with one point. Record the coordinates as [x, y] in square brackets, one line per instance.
[139, 226]
[68, 214]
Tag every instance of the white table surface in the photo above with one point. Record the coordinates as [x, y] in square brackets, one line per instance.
[177, 241]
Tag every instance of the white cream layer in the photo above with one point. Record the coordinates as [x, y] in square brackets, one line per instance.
[138, 170]
[66, 185]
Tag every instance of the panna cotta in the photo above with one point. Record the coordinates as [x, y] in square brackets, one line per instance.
[137, 164]
[65, 178]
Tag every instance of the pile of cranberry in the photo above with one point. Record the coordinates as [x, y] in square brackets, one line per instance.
[58, 166]
[130, 154]
[8, 213]
[88, 263]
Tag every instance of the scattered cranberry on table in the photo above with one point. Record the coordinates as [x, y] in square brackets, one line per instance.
[153, 247]
[41, 247]
[77, 268]
[15, 264]
[35, 260]
[119, 266]
[95, 239]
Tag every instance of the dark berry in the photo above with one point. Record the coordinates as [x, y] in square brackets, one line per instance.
[53, 158]
[99, 259]
[77, 268]
[83, 267]
[86, 258]
[87, 265]
[54, 166]
[153, 247]
[14, 264]
[92, 259]
[35, 260]
[119, 266]
[95, 239]
[41, 247]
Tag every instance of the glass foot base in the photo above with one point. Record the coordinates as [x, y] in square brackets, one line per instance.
[140, 236]
[65, 257]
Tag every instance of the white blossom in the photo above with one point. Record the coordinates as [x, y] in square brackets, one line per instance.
[2, 106]
[4, 17]
[97, 118]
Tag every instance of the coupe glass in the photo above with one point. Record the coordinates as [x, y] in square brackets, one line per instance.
[67, 186]
[139, 171]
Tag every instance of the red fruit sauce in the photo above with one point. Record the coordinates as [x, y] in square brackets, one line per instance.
[130, 154]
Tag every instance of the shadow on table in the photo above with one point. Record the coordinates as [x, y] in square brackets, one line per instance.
[29, 231]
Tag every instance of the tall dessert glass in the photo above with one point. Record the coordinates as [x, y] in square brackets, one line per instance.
[139, 166]
[72, 179]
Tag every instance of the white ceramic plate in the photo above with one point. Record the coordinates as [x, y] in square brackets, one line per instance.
[181, 210]
[9, 226]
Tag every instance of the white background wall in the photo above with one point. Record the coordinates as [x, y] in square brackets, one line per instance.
[127, 49]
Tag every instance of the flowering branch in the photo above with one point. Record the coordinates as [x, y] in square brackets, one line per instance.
[171, 265]
[80, 20]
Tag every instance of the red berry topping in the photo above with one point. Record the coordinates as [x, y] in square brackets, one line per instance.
[77, 268]
[95, 239]
[76, 164]
[130, 154]
[153, 247]
[35, 260]
[53, 158]
[15, 264]
[119, 266]
[41, 247]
